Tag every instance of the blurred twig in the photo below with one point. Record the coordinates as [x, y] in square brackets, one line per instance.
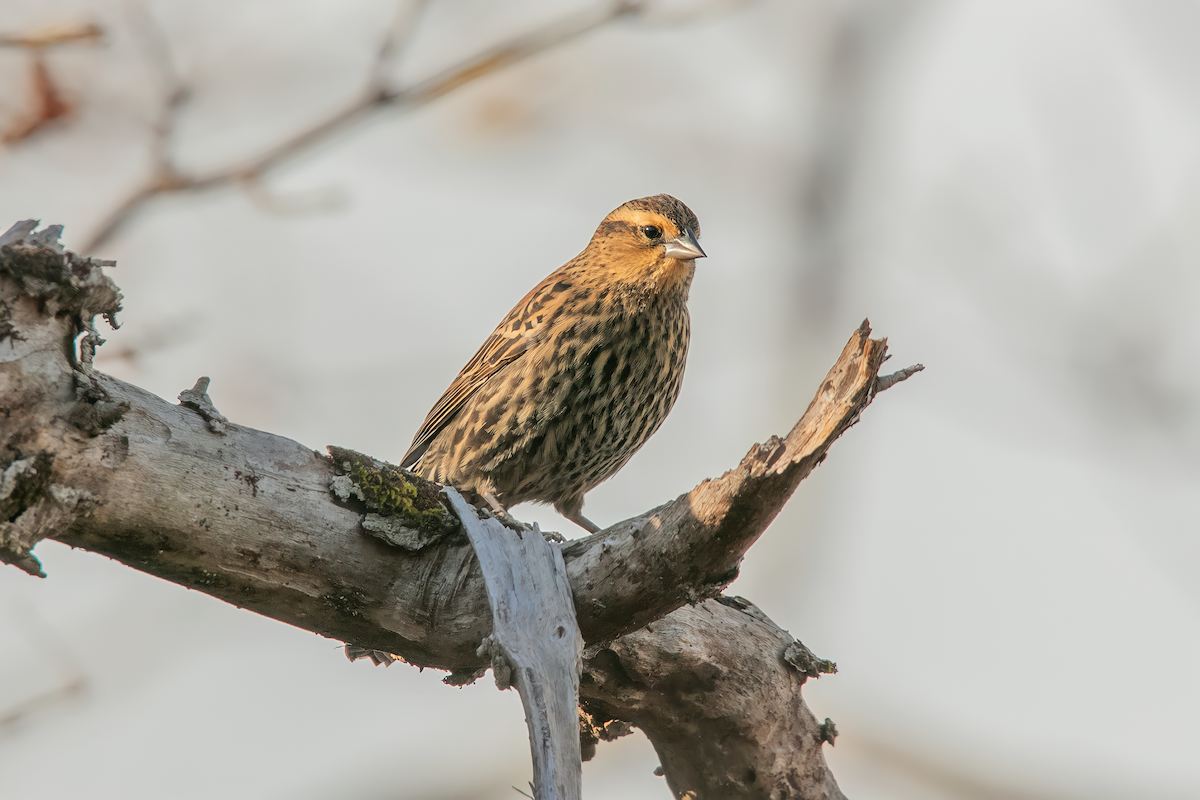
[47, 101]
[46, 104]
[861, 44]
[52, 35]
[48, 644]
[945, 777]
[694, 12]
[376, 95]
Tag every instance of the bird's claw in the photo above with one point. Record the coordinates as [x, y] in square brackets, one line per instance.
[509, 521]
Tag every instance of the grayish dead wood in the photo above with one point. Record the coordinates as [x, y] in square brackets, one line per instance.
[267, 524]
[715, 688]
[535, 645]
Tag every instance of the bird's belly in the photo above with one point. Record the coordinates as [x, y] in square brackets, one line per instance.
[568, 415]
[587, 421]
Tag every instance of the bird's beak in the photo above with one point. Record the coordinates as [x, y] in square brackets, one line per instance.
[684, 247]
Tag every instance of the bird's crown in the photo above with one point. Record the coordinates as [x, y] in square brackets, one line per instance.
[646, 223]
[663, 205]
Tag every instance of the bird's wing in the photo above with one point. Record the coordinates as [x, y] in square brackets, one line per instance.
[511, 339]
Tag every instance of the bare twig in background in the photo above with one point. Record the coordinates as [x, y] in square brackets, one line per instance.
[375, 95]
[59, 657]
[399, 36]
[860, 43]
[696, 12]
[950, 778]
[47, 102]
[53, 35]
[176, 90]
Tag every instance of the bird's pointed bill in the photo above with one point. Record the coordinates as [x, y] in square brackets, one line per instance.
[684, 247]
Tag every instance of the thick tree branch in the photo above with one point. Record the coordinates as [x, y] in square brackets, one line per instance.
[267, 524]
[248, 516]
[716, 688]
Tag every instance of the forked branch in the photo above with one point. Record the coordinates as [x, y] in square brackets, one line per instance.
[375, 95]
[267, 524]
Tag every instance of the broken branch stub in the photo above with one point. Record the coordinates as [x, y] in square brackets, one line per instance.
[47, 298]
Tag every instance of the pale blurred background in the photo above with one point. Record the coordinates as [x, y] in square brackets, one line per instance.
[1003, 557]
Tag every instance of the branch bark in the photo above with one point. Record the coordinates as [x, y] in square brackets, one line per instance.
[716, 688]
[264, 523]
[534, 646]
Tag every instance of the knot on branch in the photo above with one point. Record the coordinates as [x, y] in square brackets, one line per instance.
[404, 509]
[827, 731]
[807, 664]
[197, 399]
[502, 669]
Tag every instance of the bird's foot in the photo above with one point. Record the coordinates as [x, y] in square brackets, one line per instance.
[509, 521]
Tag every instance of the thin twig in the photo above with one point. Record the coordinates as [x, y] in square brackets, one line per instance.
[48, 103]
[400, 34]
[53, 35]
[176, 92]
[888, 381]
[374, 97]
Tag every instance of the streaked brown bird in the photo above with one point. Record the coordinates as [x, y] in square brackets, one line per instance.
[578, 375]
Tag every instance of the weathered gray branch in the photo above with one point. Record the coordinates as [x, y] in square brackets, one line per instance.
[534, 645]
[716, 688]
[254, 518]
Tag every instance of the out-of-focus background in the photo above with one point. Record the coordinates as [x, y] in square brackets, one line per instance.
[1002, 557]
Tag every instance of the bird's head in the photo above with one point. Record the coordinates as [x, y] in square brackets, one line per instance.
[652, 238]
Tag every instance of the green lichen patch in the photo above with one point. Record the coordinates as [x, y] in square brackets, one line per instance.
[415, 503]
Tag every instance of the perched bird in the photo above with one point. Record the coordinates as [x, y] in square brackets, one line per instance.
[578, 375]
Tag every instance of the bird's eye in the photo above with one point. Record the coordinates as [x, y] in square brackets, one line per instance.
[652, 231]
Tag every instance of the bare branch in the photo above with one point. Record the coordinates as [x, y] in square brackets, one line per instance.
[711, 527]
[374, 97]
[53, 35]
[857, 59]
[399, 35]
[176, 91]
[47, 103]
[266, 524]
[711, 686]
[517, 49]
[888, 381]
[251, 518]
